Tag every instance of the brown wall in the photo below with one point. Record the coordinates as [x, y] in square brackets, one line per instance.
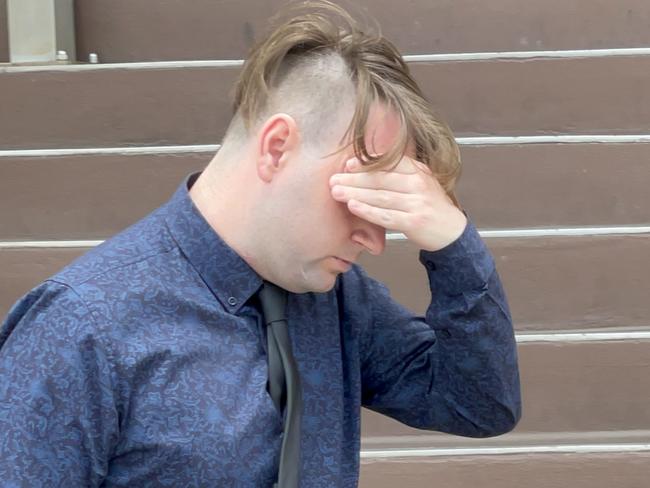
[222, 29]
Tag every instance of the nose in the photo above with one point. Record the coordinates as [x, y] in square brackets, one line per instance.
[371, 236]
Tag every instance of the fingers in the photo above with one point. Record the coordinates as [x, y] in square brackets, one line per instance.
[407, 199]
[405, 178]
[406, 165]
[389, 219]
[375, 181]
[377, 198]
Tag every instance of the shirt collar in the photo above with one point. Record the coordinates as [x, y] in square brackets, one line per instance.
[224, 271]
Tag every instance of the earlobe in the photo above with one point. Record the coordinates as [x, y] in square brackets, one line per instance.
[265, 168]
[277, 141]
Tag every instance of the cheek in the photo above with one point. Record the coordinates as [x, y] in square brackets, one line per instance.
[337, 210]
[342, 219]
[330, 217]
[322, 218]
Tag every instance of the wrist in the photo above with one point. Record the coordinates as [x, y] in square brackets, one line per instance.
[454, 227]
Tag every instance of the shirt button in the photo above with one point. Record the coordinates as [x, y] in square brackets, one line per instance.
[232, 301]
[431, 265]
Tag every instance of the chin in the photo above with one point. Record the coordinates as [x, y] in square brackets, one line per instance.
[326, 288]
[320, 286]
[315, 281]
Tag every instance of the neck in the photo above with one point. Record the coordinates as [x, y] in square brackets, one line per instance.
[224, 195]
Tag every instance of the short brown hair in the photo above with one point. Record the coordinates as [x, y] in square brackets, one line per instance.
[374, 67]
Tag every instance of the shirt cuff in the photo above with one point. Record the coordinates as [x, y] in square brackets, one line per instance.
[465, 264]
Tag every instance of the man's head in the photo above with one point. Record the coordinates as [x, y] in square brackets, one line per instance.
[315, 92]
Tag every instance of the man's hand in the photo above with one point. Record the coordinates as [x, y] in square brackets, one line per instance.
[407, 199]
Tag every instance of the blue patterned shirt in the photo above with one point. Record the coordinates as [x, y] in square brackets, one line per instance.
[143, 363]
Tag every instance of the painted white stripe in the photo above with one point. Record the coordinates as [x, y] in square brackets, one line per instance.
[555, 139]
[209, 63]
[410, 58]
[47, 244]
[507, 233]
[569, 53]
[559, 232]
[490, 451]
[211, 148]
[124, 151]
[583, 336]
[566, 232]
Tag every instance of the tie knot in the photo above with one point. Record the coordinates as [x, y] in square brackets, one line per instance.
[274, 301]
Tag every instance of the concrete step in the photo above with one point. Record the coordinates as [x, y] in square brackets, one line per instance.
[577, 387]
[87, 196]
[123, 30]
[150, 30]
[572, 382]
[606, 277]
[510, 443]
[620, 470]
[557, 185]
[553, 283]
[593, 461]
[149, 106]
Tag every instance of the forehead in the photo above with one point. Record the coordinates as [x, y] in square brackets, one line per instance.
[382, 130]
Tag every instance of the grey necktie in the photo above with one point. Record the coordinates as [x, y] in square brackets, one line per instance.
[284, 381]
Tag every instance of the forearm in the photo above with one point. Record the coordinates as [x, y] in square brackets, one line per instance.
[476, 356]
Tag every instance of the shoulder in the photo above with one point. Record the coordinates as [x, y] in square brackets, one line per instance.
[50, 313]
[126, 251]
[83, 297]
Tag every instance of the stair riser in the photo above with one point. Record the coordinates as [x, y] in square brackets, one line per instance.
[606, 276]
[572, 387]
[105, 108]
[554, 186]
[532, 471]
[123, 30]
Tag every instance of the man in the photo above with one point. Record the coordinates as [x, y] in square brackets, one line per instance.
[145, 362]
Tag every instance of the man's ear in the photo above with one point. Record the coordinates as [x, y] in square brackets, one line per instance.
[277, 141]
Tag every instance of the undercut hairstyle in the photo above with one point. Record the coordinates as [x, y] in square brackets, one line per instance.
[326, 69]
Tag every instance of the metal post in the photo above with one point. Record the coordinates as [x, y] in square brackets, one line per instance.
[38, 29]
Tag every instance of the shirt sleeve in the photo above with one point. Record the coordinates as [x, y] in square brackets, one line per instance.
[454, 370]
[57, 412]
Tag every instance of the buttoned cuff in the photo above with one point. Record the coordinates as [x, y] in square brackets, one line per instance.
[465, 264]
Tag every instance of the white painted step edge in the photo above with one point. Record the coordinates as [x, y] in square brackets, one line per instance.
[212, 148]
[409, 58]
[492, 451]
[394, 236]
